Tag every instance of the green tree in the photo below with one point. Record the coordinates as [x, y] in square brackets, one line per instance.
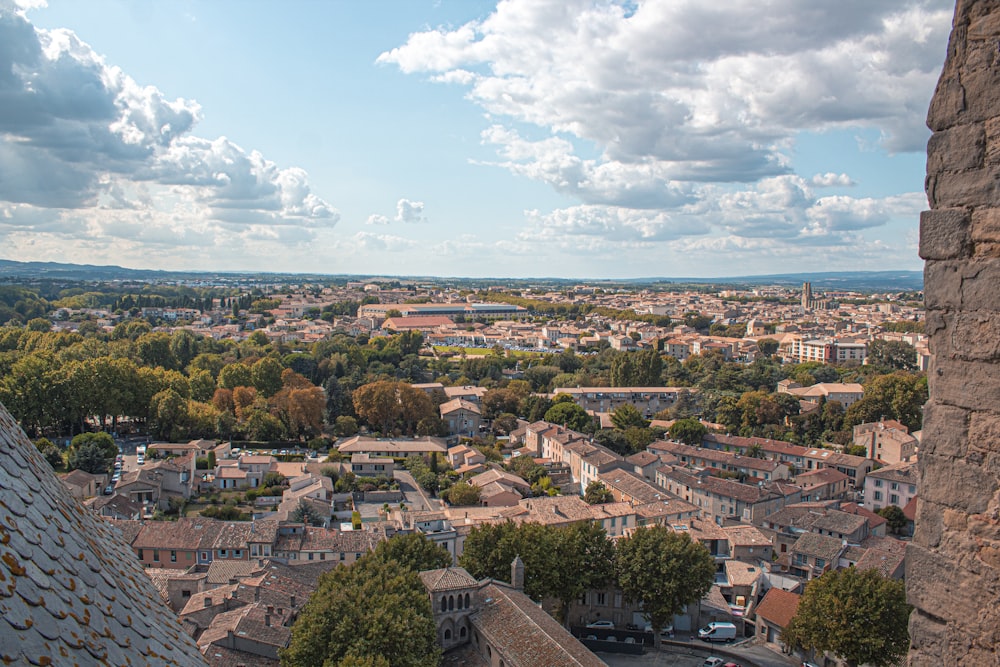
[596, 494]
[88, 457]
[463, 493]
[689, 431]
[899, 395]
[304, 513]
[570, 415]
[767, 346]
[664, 571]
[413, 551]
[894, 519]
[627, 415]
[53, 455]
[235, 375]
[636, 369]
[860, 616]
[892, 355]
[266, 375]
[371, 610]
[345, 426]
[587, 557]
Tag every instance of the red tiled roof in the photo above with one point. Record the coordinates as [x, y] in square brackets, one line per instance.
[778, 607]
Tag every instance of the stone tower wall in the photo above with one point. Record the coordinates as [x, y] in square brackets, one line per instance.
[953, 564]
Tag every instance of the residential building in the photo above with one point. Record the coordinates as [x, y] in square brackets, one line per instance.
[822, 484]
[892, 485]
[774, 613]
[365, 465]
[462, 417]
[887, 441]
[727, 501]
[393, 447]
[746, 467]
[648, 400]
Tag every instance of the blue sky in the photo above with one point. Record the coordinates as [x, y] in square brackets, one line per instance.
[565, 138]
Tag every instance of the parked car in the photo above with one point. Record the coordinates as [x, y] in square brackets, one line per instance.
[601, 625]
[713, 662]
[717, 632]
[109, 489]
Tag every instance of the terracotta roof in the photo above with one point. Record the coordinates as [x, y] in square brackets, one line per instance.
[447, 579]
[778, 607]
[524, 634]
[73, 591]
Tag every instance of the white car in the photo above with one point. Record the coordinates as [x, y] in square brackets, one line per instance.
[713, 662]
[601, 625]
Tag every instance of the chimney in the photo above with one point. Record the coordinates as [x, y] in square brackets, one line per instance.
[517, 573]
[292, 602]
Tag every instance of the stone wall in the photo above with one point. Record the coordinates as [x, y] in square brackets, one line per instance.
[953, 564]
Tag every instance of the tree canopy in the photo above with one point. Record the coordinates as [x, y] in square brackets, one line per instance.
[663, 570]
[858, 615]
[375, 609]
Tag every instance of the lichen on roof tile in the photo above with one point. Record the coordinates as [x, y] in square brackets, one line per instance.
[67, 579]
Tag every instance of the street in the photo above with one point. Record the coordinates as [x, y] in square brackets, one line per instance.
[416, 498]
[694, 654]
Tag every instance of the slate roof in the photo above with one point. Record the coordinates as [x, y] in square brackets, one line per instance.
[72, 590]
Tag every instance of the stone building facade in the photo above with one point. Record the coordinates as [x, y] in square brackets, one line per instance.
[953, 564]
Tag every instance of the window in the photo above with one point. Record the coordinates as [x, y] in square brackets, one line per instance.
[223, 553]
[894, 486]
[237, 553]
[893, 499]
[820, 563]
[444, 603]
[447, 634]
[185, 594]
[602, 599]
[878, 483]
[466, 603]
[140, 554]
[878, 495]
[173, 556]
[156, 556]
[204, 555]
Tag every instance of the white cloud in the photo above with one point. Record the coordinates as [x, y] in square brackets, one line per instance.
[830, 179]
[684, 89]
[409, 211]
[81, 138]
[376, 219]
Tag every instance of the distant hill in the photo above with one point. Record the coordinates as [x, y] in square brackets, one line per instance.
[868, 281]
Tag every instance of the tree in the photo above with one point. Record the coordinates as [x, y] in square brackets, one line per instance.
[636, 369]
[899, 396]
[587, 558]
[690, 431]
[304, 513]
[570, 415]
[892, 355]
[767, 346]
[51, 452]
[345, 426]
[463, 493]
[373, 609]
[413, 551]
[664, 571]
[88, 457]
[597, 494]
[894, 519]
[627, 415]
[858, 615]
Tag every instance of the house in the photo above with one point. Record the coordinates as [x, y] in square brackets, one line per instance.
[82, 484]
[822, 484]
[176, 544]
[724, 500]
[892, 485]
[462, 455]
[774, 613]
[813, 554]
[462, 417]
[365, 465]
[392, 447]
[498, 488]
[748, 467]
[647, 400]
[748, 544]
[887, 441]
[116, 507]
[846, 394]
[645, 464]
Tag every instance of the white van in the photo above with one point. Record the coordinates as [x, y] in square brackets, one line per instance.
[717, 632]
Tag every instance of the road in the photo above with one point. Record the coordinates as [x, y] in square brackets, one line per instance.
[694, 654]
[415, 496]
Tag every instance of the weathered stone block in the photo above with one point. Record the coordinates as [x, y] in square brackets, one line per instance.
[976, 335]
[964, 384]
[942, 285]
[948, 103]
[973, 188]
[992, 131]
[985, 225]
[946, 431]
[928, 522]
[957, 484]
[984, 430]
[945, 234]
[932, 579]
[958, 148]
[980, 283]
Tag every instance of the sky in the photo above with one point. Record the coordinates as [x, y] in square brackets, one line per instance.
[522, 138]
